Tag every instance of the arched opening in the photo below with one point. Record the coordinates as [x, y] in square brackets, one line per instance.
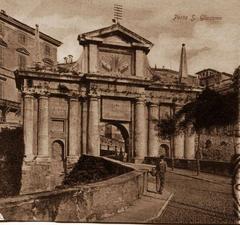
[115, 141]
[164, 150]
[58, 162]
[58, 150]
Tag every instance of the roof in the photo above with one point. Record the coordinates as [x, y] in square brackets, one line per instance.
[169, 76]
[113, 28]
[208, 69]
[8, 19]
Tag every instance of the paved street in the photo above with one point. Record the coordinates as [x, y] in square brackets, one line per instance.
[197, 201]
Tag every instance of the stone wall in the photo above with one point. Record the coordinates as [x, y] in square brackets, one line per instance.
[206, 166]
[219, 147]
[86, 203]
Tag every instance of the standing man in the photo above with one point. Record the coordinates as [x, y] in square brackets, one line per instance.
[161, 168]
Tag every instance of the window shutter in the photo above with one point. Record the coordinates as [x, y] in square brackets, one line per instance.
[22, 62]
[1, 90]
[1, 56]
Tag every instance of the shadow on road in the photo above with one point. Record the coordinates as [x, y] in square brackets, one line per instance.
[203, 210]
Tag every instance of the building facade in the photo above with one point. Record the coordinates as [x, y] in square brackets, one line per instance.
[213, 79]
[21, 46]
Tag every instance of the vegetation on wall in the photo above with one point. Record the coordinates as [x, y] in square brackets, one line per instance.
[11, 158]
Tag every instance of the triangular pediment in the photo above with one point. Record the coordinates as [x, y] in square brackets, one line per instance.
[23, 51]
[117, 38]
[116, 33]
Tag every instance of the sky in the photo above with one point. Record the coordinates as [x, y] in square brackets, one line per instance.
[166, 23]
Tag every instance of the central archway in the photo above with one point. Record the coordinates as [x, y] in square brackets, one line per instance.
[115, 141]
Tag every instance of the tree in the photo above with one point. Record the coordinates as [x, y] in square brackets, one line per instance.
[209, 110]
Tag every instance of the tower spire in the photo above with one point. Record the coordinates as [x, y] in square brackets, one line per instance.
[183, 72]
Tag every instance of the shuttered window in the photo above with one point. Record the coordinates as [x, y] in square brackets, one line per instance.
[22, 39]
[1, 56]
[47, 50]
[22, 61]
[1, 90]
[1, 28]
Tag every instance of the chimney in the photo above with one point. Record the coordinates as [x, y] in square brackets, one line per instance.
[65, 60]
[183, 72]
[70, 58]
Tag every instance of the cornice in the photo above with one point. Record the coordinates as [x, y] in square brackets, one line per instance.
[25, 27]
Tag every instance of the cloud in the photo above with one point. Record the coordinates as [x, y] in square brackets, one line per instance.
[214, 46]
[208, 44]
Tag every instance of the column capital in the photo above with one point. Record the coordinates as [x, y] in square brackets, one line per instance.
[43, 96]
[141, 100]
[73, 99]
[93, 97]
[27, 95]
[153, 104]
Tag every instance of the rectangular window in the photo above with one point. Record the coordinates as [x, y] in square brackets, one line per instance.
[1, 90]
[1, 28]
[47, 50]
[1, 56]
[22, 61]
[22, 39]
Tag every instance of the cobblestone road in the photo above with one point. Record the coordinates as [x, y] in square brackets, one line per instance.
[197, 201]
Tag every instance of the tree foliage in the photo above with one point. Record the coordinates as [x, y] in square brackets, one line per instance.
[167, 127]
[210, 109]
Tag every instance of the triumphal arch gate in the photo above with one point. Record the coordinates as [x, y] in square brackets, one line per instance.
[111, 83]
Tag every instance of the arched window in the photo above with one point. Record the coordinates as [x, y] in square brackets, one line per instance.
[58, 150]
[165, 149]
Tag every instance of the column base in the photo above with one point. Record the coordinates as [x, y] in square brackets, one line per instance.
[72, 158]
[43, 159]
[29, 158]
[138, 161]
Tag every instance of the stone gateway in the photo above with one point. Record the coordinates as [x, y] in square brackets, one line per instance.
[111, 83]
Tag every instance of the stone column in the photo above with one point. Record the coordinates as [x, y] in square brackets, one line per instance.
[93, 127]
[28, 126]
[189, 150]
[179, 145]
[153, 131]
[140, 131]
[84, 126]
[43, 151]
[74, 143]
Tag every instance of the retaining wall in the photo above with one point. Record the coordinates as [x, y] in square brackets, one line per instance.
[86, 203]
[208, 166]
